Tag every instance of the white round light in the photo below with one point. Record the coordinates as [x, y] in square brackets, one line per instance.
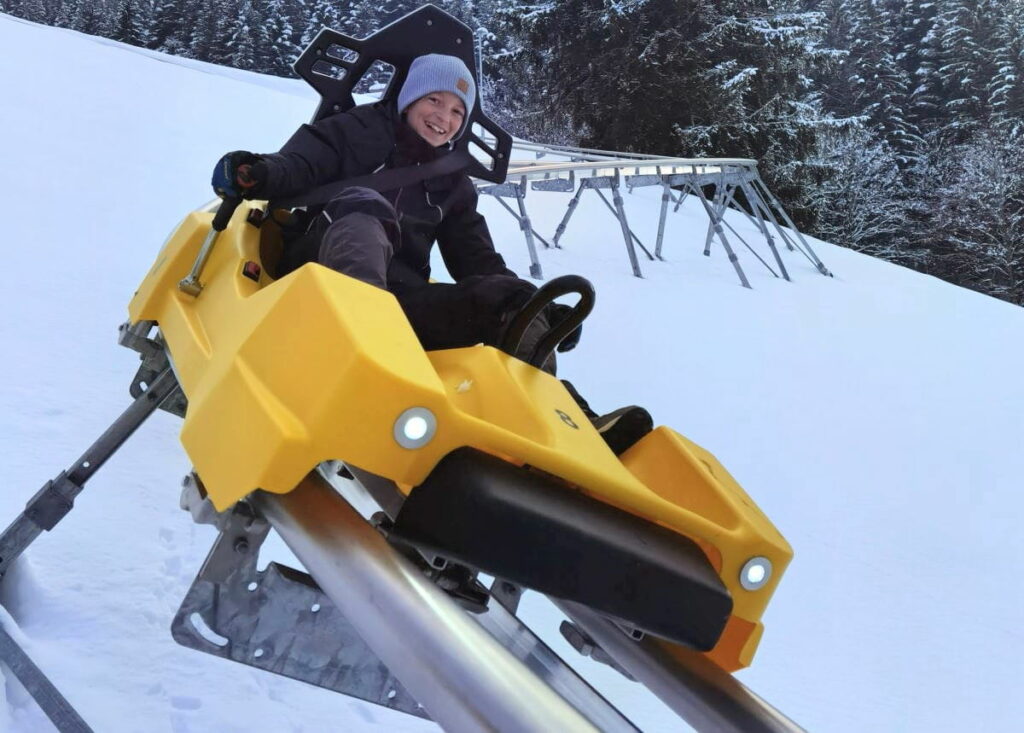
[756, 573]
[415, 427]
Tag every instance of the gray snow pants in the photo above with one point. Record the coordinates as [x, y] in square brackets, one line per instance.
[361, 237]
[360, 241]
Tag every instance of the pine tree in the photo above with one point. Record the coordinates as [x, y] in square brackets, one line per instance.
[320, 14]
[964, 31]
[34, 10]
[244, 45]
[916, 49]
[870, 82]
[134, 23]
[859, 199]
[1006, 88]
[93, 18]
[981, 216]
[67, 13]
[277, 49]
[212, 29]
[169, 26]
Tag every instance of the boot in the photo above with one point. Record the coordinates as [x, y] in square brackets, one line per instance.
[620, 428]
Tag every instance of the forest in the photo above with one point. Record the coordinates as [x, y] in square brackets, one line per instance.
[892, 127]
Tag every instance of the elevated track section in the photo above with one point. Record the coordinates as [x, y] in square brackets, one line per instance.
[719, 184]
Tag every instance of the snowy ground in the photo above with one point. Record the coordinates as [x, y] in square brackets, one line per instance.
[876, 417]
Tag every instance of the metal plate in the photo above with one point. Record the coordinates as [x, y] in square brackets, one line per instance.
[280, 621]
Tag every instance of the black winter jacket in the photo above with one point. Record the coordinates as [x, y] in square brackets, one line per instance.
[442, 209]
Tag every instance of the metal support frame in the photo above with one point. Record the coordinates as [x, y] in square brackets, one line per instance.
[718, 207]
[518, 191]
[724, 184]
[620, 213]
[727, 175]
[573, 203]
[44, 511]
[666, 195]
[57, 496]
[730, 200]
[627, 234]
[756, 204]
[724, 196]
[809, 253]
[619, 210]
[60, 712]
[715, 229]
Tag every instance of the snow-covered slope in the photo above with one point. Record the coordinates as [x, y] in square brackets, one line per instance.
[875, 416]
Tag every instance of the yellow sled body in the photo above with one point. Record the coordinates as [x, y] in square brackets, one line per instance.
[281, 375]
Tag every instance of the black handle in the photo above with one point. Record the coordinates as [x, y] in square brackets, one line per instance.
[224, 212]
[547, 293]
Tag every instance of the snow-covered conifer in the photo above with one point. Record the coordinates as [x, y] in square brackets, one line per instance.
[276, 46]
[134, 23]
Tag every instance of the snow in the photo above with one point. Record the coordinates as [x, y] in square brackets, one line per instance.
[874, 416]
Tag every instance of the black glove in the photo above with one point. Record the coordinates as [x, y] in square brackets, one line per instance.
[557, 313]
[238, 175]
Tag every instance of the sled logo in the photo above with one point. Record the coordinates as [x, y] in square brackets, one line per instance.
[567, 420]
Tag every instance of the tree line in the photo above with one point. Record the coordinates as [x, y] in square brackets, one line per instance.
[893, 127]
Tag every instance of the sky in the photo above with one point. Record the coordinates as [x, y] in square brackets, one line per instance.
[875, 416]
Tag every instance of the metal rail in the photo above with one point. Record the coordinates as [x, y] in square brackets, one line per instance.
[459, 673]
[597, 154]
[609, 167]
[463, 677]
[701, 693]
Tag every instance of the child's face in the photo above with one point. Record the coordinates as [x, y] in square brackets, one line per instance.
[436, 117]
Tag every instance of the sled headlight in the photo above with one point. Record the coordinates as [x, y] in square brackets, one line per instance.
[415, 427]
[756, 573]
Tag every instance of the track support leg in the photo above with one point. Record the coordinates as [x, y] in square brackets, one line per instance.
[43, 511]
[64, 717]
[52, 502]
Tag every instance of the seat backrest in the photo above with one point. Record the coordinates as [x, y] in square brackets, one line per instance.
[334, 63]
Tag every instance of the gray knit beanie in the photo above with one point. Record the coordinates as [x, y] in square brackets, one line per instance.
[437, 73]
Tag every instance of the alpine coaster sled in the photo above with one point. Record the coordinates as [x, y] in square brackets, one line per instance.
[294, 389]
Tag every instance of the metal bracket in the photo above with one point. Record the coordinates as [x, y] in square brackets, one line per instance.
[277, 620]
[153, 352]
[582, 642]
[52, 502]
[647, 179]
[508, 190]
[600, 182]
[558, 185]
[507, 594]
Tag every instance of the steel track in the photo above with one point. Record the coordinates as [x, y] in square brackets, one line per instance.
[466, 680]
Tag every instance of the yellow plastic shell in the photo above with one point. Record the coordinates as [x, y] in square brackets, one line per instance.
[281, 375]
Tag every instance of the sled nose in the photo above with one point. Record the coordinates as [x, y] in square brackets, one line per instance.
[526, 527]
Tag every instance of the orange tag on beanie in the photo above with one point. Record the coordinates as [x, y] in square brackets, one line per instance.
[462, 85]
